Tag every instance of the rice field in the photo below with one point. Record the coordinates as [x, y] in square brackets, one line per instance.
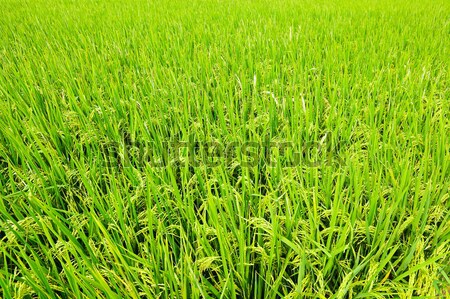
[224, 149]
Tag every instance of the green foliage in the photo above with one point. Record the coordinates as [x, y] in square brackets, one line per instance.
[370, 79]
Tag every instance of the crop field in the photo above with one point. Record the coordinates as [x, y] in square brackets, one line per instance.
[224, 149]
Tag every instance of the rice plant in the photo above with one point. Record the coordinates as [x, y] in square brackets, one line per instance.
[224, 149]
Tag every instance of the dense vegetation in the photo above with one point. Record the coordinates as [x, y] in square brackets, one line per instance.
[93, 92]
